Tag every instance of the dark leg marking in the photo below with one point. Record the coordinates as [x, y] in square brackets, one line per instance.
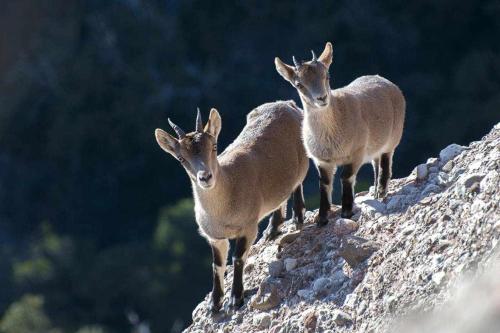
[299, 206]
[376, 169]
[385, 174]
[325, 183]
[217, 292]
[347, 190]
[241, 247]
[273, 229]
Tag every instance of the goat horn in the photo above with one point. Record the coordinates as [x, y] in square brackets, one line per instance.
[177, 129]
[314, 56]
[199, 123]
[295, 62]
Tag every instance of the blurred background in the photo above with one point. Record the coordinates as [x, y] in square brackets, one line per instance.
[96, 225]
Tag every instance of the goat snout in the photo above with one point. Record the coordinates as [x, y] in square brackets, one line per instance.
[204, 176]
[322, 98]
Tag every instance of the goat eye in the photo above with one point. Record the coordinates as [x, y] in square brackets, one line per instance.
[181, 159]
[215, 147]
[299, 85]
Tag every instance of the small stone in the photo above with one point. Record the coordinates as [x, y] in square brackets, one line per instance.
[361, 308]
[288, 238]
[321, 284]
[438, 278]
[358, 274]
[350, 300]
[275, 268]
[450, 152]
[344, 226]
[341, 318]
[448, 166]
[389, 302]
[262, 320]
[408, 230]
[432, 161]
[310, 321]
[355, 249]
[290, 264]
[471, 183]
[422, 171]
[267, 297]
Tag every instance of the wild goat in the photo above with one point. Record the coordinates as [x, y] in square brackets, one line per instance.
[253, 177]
[349, 126]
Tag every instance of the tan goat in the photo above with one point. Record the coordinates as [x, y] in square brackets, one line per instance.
[349, 126]
[252, 178]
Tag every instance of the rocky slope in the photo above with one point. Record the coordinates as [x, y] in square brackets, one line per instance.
[395, 261]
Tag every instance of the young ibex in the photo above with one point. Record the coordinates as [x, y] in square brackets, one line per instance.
[253, 177]
[349, 126]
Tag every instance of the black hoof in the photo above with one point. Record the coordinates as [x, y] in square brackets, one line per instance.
[346, 214]
[271, 234]
[321, 221]
[215, 308]
[298, 224]
[237, 302]
[380, 195]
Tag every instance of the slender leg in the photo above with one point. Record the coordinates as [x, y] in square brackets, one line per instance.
[240, 255]
[376, 168]
[326, 174]
[385, 174]
[219, 252]
[277, 219]
[299, 207]
[348, 181]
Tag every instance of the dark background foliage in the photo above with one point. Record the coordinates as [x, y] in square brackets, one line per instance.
[94, 227]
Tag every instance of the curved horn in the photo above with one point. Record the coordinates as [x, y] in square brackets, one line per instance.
[177, 129]
[295, 62]
[314, 56]
[199, 123]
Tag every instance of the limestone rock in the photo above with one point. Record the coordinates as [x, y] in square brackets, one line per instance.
[355, 249]
[290, 264]
[450, 152]
[342, 318]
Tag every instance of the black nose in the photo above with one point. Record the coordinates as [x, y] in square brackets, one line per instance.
[322, 99]
[205, 177]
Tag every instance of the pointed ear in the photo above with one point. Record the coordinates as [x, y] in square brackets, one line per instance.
[214, 123]
[288, 72]
[167, 142]
[327, 55]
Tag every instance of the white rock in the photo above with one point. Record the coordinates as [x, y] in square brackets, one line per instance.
[438, 277]
[450, 152]
[422, 171]
[448, 166]
[432, 161]
[475, 165]
[269, 253]
[262, 320]
[350, 300]
[290, 264]
[361, 308]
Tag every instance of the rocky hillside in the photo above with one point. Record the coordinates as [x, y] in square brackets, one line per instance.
[393, 262]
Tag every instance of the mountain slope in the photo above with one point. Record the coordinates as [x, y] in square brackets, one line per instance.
[405, 255]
